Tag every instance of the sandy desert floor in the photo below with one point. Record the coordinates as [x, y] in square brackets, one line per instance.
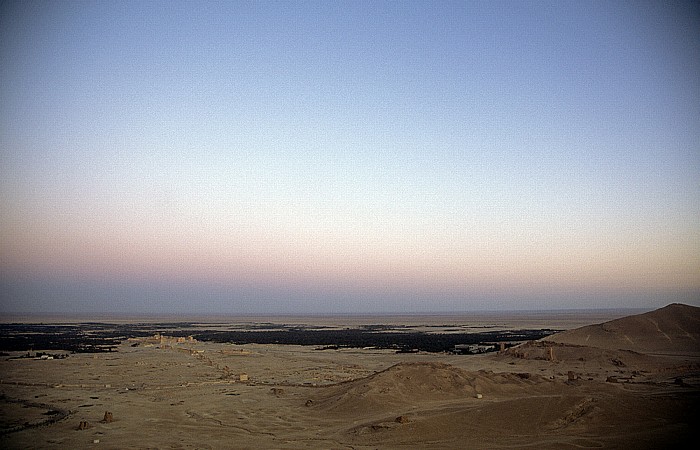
[544, 394]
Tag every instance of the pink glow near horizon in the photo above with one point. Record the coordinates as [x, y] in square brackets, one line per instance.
[348, 156]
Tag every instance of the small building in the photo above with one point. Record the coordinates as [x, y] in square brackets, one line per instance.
[472, 349]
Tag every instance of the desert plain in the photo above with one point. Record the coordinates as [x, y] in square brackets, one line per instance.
[601, 382]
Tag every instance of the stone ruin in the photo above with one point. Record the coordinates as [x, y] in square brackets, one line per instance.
[226, 373]
[277, 392]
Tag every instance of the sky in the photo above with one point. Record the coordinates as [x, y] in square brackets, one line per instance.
[293, 157]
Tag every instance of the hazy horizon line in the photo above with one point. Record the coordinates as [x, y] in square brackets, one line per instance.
[5, 316]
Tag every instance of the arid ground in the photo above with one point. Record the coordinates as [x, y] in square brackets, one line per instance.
[632, 382]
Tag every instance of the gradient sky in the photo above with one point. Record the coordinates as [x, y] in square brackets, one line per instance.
[334, 157]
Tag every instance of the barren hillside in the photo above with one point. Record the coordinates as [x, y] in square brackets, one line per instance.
[674, 329]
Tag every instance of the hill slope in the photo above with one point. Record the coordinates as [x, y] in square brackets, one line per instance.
[673, 329]
[422, 383]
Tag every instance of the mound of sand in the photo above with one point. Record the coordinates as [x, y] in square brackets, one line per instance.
[435, 405]
[420, 405]
[605, 358]
[601, 420]
[674, 329]
[423, 383]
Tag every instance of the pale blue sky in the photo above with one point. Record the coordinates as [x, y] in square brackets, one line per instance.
[348, 156]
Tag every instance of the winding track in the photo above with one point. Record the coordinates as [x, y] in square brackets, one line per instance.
[59, 414]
